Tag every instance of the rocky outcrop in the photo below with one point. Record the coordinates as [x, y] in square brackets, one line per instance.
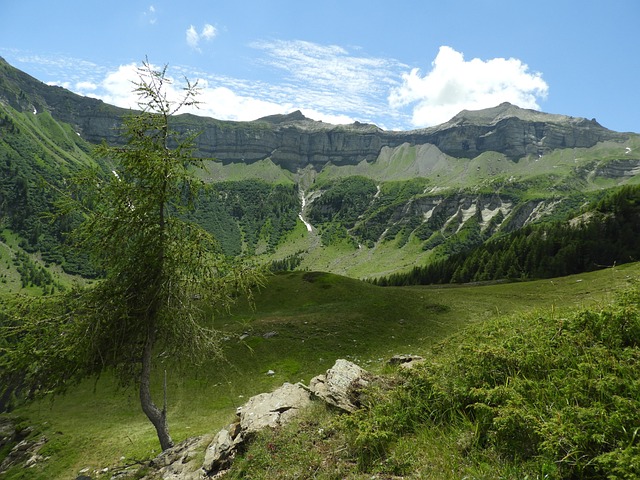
[266, 410]
[25, 446]
[182, 462]
[619, 169]
[341, 384]
[406, 361]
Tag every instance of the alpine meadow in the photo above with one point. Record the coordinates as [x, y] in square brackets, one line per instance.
[183, 297]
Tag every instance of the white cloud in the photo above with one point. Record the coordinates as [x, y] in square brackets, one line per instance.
[221, 102]
[151, 14]
[208, 32]
[330, 79]
[117, 87]
[192, 37]
[86, 86]
[454, 84]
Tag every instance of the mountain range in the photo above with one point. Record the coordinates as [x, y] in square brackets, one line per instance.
[350, 199]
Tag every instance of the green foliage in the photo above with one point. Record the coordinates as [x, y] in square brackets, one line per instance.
[559, 395]
[33, 274]
[242, 214]
[341, 204]
[37, 155]
[164, 275]
[605, 234]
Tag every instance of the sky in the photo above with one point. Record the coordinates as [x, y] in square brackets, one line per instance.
[402, 64]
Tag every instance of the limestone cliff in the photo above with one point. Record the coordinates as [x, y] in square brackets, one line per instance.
[294, 141]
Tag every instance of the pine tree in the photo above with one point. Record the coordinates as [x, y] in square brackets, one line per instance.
[162, 274]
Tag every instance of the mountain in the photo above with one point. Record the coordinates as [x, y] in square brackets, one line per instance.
[353, 199]
[293, 141]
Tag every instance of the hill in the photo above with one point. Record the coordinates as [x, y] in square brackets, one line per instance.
[301, 323]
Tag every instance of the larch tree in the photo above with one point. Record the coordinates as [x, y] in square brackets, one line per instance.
[162, 275]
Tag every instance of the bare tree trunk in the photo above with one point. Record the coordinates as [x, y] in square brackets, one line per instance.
[157, 417]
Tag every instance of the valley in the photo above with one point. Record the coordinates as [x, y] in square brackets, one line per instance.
[371, 243]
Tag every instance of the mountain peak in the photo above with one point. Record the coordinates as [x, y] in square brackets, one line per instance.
[296, 116]
[493, 115]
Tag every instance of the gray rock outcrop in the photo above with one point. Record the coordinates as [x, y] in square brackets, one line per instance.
[340, 385]
[182, 462]
[266, 410]
[293, 141]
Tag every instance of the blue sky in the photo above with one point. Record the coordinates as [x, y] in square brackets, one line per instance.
[401, 65]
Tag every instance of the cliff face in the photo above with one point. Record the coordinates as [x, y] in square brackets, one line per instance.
[293, 141]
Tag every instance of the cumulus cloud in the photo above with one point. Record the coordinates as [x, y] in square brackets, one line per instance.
[86, 86]
[217, 101]
[194, 37]
[454, 84]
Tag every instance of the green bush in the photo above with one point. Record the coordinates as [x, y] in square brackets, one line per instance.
[560, 395]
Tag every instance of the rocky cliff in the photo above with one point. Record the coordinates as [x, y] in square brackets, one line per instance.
[294, 141]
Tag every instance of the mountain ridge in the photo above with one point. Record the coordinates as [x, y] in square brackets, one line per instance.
[293, 141]
[375, 201]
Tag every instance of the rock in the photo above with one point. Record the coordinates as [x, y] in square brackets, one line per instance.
[8, 433]
[25, 453]
[220, 452]
[266, 410]
[406, 361]
[340, 385]
[272, 409]
[180, 462]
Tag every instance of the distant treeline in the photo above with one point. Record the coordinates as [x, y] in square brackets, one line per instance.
[605, 234]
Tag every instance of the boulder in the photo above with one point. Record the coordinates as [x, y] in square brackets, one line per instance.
[272, 409]
[341, 384]
[266, 410]
[222, 449]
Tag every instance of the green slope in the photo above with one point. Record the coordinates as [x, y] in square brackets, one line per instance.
[317, 318]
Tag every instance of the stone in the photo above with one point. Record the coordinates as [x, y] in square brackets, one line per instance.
[406, 361]
[340, 385]
[25, 453]
[180, 462]
[220, 452]
[266, 410]
[272, 409]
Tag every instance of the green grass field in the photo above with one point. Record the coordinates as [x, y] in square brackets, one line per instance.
[312, 319]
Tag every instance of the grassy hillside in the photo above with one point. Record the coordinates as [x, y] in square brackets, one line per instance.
[545, 394]
[312, 319]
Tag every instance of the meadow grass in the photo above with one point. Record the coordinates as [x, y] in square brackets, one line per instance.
[311, 320]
